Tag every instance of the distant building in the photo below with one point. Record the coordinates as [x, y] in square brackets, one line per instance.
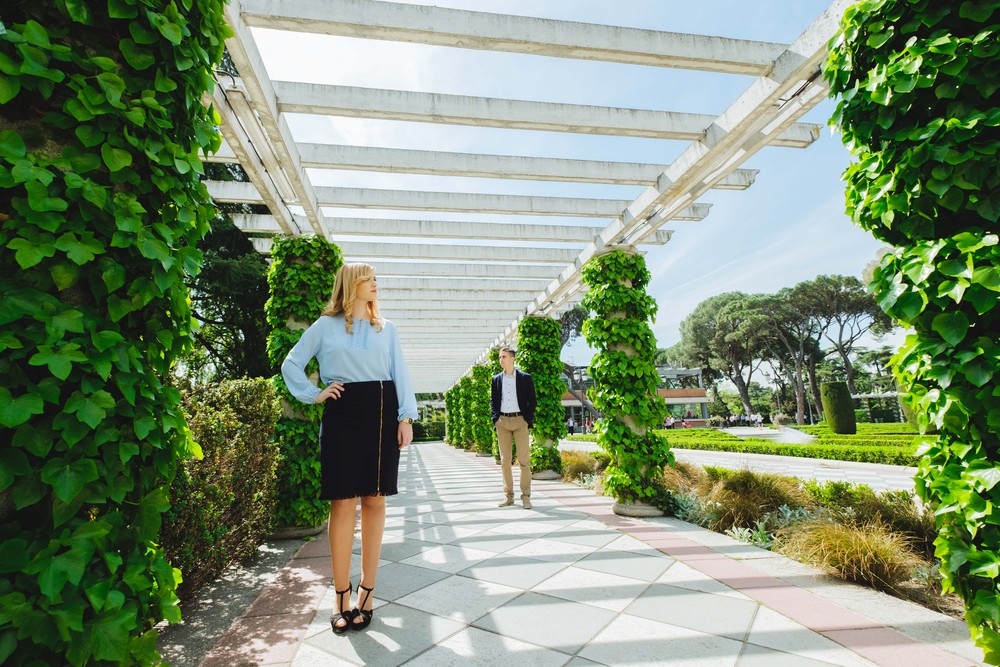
[681, 388]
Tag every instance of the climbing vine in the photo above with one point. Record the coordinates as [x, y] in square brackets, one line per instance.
[539, 344]
[465, 412]
[495, 367]
[449, 415]
[301, 280]
[481, 422]
[625, 377]
[101, 208]
[917, 82]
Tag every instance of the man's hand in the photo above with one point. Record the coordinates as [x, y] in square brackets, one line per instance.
[333, 391]
[404, 434]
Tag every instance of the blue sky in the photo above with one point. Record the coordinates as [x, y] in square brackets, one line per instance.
[788, 227]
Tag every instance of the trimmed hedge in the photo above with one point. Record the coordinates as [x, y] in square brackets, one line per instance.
[223, 504]
[838, 408]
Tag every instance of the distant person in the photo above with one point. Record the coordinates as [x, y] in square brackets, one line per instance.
[571, 426]
[512, 403]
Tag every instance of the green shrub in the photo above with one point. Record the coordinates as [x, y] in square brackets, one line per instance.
[746, 497]
[715, 421]
[869, 554]
[860, 416]
[222, 506]
[838, 408]
[539, 342]
[603, 460]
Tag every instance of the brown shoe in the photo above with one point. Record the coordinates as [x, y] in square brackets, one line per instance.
[506, 503]
[526, 503]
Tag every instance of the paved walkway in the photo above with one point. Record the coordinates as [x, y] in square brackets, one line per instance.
[463, 582]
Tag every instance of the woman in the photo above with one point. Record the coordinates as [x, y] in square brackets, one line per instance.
[367, 419]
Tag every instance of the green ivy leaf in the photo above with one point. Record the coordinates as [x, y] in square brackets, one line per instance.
[68, 478]
[92, 409]
[951, 326]
[28, 254]
[11, 144]
[16, 411]
[116, 159]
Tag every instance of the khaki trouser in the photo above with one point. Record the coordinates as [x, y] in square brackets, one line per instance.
[514, 430]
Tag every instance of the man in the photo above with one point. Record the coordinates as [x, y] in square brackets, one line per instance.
[512, 401]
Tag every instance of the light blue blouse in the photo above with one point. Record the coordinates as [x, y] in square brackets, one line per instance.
[362, 356]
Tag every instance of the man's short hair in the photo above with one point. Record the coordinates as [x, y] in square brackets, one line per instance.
[509, 350]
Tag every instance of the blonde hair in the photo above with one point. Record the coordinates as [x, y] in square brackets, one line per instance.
[345, 293]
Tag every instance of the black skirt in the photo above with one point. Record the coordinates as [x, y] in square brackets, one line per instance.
[359, 451]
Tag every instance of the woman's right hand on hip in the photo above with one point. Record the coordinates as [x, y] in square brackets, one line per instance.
[334, 390]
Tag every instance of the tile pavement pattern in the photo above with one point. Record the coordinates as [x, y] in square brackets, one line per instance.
[463, 582]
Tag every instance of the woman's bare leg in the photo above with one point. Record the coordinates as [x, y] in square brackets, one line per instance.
[372, 528]
[341, 533]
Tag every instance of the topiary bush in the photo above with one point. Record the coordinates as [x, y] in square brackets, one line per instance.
[838, 408]
[223, 505]
[539, 343]
[917, 83]
[101, 210]
[625, 375]
[301, 279]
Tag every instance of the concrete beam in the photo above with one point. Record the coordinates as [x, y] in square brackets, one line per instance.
[390, 295]
[355, 102]
[439, 26]
[253, 97]
[396, 284]
[441, 163]
[459, 270]
[462, 202]
[498, 254]
[443, 229]
[469, 253]
[523, 167]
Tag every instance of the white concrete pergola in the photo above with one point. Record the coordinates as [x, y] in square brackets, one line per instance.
[451, 296]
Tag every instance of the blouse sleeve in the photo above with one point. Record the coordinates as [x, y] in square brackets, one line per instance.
[293, 368]
[401, 378]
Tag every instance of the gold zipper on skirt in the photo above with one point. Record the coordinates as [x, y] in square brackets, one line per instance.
[381, 427]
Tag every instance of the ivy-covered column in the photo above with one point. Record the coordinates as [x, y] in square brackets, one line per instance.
[482, 425]
[539, 342]
[468, 412]
[449, 416]
[625, 379]
[918, 109]
[495, 367]
[301, 279]
[101, 208]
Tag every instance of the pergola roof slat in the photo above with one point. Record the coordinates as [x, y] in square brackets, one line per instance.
[465, 29]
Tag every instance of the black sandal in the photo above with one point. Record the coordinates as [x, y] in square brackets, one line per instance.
[348, 615]
[365, 614]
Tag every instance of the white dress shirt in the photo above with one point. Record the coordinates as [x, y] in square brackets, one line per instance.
[508, 393]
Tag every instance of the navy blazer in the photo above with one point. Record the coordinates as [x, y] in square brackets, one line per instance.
[525, 388]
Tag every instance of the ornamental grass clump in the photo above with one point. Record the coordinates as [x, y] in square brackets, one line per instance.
[869, 554]
[746, 497]
[576, 464]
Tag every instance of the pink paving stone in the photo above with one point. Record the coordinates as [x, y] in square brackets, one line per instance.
[259, 640]
[315, 548]
[298, 588]
[885, 646]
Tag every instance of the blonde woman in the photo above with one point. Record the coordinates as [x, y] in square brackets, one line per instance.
[367, 419]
